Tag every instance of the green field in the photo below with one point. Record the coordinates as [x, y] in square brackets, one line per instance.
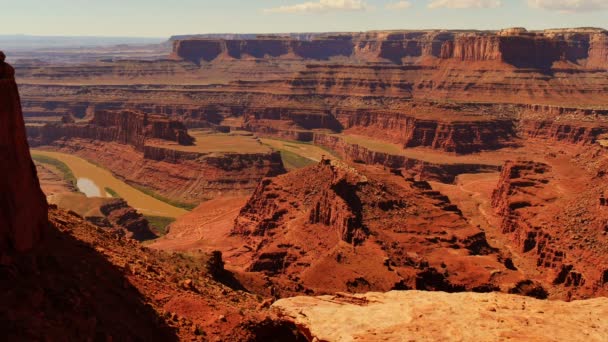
[159, 224]
[294, 161]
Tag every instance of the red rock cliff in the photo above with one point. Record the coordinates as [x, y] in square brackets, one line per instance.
[517, 47]
[23, 206]
[125, 127]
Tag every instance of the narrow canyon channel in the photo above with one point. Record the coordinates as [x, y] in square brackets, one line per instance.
[93, 180]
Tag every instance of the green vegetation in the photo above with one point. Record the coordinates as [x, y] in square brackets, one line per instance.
[61, 166]
[159, 224]
[293, 160]
[112, 192]
[151, 193]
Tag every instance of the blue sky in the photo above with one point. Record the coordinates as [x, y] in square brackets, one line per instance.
[162, 18]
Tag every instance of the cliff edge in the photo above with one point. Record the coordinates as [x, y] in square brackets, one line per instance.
[23, 206]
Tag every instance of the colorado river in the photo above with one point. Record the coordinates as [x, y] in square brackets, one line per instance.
[93, 180]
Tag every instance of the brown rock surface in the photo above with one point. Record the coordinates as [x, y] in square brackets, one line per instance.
[23, 207]
[334, 227]
[83, 282]
[557, 219]
[438, 316]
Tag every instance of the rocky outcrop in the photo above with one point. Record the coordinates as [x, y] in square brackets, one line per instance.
[445, 173]
[119, 215]
[461, 317]
[337, 206]
[23, 206]
[598, 51]
[571, 133]
[336, 227]
[514, 179]
[125, 127]
[562, 124]
[554, 226]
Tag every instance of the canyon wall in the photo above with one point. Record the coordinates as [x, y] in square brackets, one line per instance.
[442, 172]
[23, 206]
[555, 225]
[126, 127]
[562, 124]
[515, 47]
[408, 128]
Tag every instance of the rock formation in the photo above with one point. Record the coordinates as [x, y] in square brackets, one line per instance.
[125, 127]
[555, 227]
[334, 227]
[23, 207]
[425, 316]
[516, 47]
[120, 215]
[443, 172]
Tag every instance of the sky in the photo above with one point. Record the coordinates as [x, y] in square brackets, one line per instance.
[163, 18]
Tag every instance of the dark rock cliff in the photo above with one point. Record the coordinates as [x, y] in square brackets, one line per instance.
[23, 206]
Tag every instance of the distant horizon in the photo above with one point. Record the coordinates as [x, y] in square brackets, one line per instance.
[289, 32]
[156, 18]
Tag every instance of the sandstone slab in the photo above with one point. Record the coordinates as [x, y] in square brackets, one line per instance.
[439, 316]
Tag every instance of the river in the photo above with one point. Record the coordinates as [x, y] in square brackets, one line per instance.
[92, 180]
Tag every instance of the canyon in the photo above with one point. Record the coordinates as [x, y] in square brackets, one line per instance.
[332, 174]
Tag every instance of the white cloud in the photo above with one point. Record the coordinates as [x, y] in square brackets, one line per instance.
[569, 5]
[465, 4]
[321, 6]
[399, 5]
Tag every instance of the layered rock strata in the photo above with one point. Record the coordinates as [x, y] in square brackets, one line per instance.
[542, 49]
[557, 222]
[125, 127]
[442, 172]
